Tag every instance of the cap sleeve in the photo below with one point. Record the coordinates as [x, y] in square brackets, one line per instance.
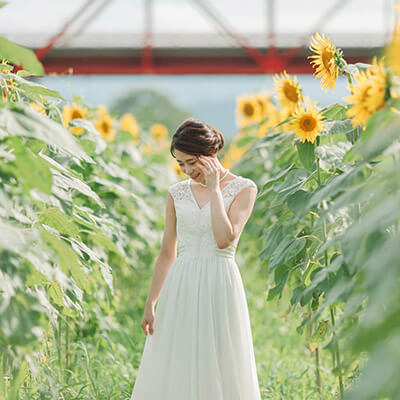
[178, 190]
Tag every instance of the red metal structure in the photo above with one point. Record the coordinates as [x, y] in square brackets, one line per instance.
[243, 59]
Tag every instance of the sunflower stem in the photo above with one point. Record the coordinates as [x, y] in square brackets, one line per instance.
[350, 82]
[332, 308]
[317, 355]
[337, 352]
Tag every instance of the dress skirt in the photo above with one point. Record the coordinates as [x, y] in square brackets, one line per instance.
[201, 348]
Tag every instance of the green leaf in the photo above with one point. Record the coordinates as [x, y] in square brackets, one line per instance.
[36, 90]
[15, 239]
[246, 140]
[19, 55]
[22, 120]
[298, 201]
[280, 276]
[335, 112]
[351, 69]
[31, 171]
[382, 129]
[20, 318]
[306, 154]
[293, 182]
[338, 127]
[277, 177]
[331, 155]
[285, 251]
[54, 218]
[68, 259]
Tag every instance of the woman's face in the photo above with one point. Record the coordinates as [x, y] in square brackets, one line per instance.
[189, 165]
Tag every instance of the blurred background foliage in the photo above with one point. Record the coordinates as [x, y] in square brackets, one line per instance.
[83, 192]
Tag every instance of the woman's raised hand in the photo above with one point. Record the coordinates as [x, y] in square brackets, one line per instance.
[210, 170]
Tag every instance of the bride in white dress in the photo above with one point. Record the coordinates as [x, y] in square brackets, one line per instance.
[198, 340]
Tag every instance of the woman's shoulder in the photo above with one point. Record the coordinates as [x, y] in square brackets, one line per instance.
[177, 187]
[243, 182]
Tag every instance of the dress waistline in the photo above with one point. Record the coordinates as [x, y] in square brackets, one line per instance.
[187, 254]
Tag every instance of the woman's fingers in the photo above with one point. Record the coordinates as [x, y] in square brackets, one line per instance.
[148, 326]
[151, 327]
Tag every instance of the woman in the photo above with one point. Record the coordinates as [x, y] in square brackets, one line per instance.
[200, 344]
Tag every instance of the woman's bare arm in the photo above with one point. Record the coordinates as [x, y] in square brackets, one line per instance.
[167, 253]
[163, 263]
[227, 226]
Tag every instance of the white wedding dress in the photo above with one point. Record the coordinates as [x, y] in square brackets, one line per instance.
[202, 347]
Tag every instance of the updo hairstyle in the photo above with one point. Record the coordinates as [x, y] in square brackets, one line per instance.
[197, 138]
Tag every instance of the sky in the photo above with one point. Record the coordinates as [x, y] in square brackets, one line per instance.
[32, 21]
[212, 98]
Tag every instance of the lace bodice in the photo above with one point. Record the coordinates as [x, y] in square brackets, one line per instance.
[193, 224]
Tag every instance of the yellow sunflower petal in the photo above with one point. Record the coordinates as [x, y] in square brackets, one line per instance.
[288, 91]
[324, 60]
[307, 123]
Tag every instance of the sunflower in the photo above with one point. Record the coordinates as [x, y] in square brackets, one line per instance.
[288, 91]
[129, 124]
[38, 107]
[263, 99]
[307, 123]
[325, 61]
[159, 131]
[377, 75]
[248, 110]
[146, 148]
[368, 95]
[273, 116]
[105, 126]
[72, 112]
[393, 51]
[8, 82]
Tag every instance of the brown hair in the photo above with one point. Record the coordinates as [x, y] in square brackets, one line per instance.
[196, 137]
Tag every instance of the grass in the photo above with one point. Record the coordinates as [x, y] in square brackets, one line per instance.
[103, 365]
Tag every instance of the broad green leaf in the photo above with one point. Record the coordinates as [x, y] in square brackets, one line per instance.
[22, 120]
[338, 127]
[20, 317]
[54, 218]
[19, 55]
[280, 276]
[14, 238]
[306, 154]
[67, 258]
[246, 140]
[285, 251]
[31, 171]
[331, 155]
[36, 90]
[335, 112]
[293, 182]
[298, 201]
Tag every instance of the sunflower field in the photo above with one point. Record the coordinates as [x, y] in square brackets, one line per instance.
[82, 210]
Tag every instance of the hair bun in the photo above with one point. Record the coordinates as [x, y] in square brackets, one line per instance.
[196, 137]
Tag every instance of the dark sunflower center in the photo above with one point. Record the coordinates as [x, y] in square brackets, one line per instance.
[105, 126]
[76, 114]
[326, 59]
[308, 123]
[291, 92]
[248, 109]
